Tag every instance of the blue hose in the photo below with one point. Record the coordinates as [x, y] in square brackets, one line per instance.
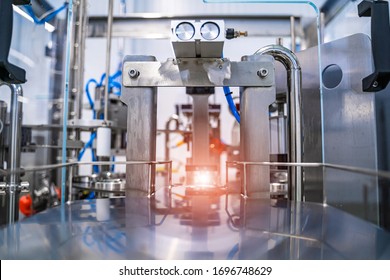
[86, 146]
[233, 252]
[91, 103]
[232, 106]
[229, 99]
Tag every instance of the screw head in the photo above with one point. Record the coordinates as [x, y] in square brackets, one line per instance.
[375, 84]
[133, 73]
[262, 73]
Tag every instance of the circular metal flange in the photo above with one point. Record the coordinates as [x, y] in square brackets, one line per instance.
[185, 31]
[209, 31]
[114, 183]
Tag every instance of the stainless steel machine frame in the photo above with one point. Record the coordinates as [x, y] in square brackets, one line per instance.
[142, 75]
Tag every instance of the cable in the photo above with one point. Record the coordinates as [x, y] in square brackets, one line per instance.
[233, 252]
[46, 17]
[232, 106]
[91, 103]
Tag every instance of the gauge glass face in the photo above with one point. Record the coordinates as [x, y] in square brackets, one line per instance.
[210, 31]
[185, 31]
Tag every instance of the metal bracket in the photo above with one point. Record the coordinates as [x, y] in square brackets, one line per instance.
[23, 187]
[198, 72]
[380, 40]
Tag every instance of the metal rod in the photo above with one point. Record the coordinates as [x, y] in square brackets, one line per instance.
[108, 56]
[170, 174]
[14, 150]
[245, 186]
[294, 79]
[66, 99]
[322, 27]
[70, 183]
[292, 34]
[82, 21]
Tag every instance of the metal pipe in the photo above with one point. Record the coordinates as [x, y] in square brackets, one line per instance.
[14, 150]
[79, 55]
[108, 56]
[294, 80]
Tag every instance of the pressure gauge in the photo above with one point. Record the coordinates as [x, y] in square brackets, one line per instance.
[210, 31]
[185, 31]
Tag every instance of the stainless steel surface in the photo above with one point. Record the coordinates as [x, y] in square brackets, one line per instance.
[200, 130]
[108, 55]
[143, 228]
[197, 72]
[294, 83]
[255, 133]
[141, 132]
[349, 125]
[197, 38]
[185, 31]
[157, 26]
[210, 31]
[14, 143]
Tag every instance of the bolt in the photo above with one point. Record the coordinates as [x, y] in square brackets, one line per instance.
[133, 73]
[262, 73]
[375, 84]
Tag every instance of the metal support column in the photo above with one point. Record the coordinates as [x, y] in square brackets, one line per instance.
[200, 129]
[141, 132]
[255, 135]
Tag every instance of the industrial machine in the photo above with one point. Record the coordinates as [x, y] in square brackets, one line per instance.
[304, 177]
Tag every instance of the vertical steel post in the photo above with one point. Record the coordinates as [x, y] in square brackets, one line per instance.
[255, 134]
[141, 133]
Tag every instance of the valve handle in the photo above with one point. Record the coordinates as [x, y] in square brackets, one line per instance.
[380, 41]
[9, 73]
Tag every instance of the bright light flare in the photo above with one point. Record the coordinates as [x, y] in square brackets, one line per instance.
[203, 178]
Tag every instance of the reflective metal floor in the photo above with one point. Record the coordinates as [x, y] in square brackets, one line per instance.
[197, 225]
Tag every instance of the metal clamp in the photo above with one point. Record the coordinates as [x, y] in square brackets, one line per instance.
[23, 187]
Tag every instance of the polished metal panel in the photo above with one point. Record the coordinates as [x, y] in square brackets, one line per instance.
[255, 133]
[143, 228]
[197, 72]
[349, 127]
[200, 130]
[141, 133]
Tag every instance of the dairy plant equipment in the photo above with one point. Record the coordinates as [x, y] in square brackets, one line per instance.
[306, 176]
